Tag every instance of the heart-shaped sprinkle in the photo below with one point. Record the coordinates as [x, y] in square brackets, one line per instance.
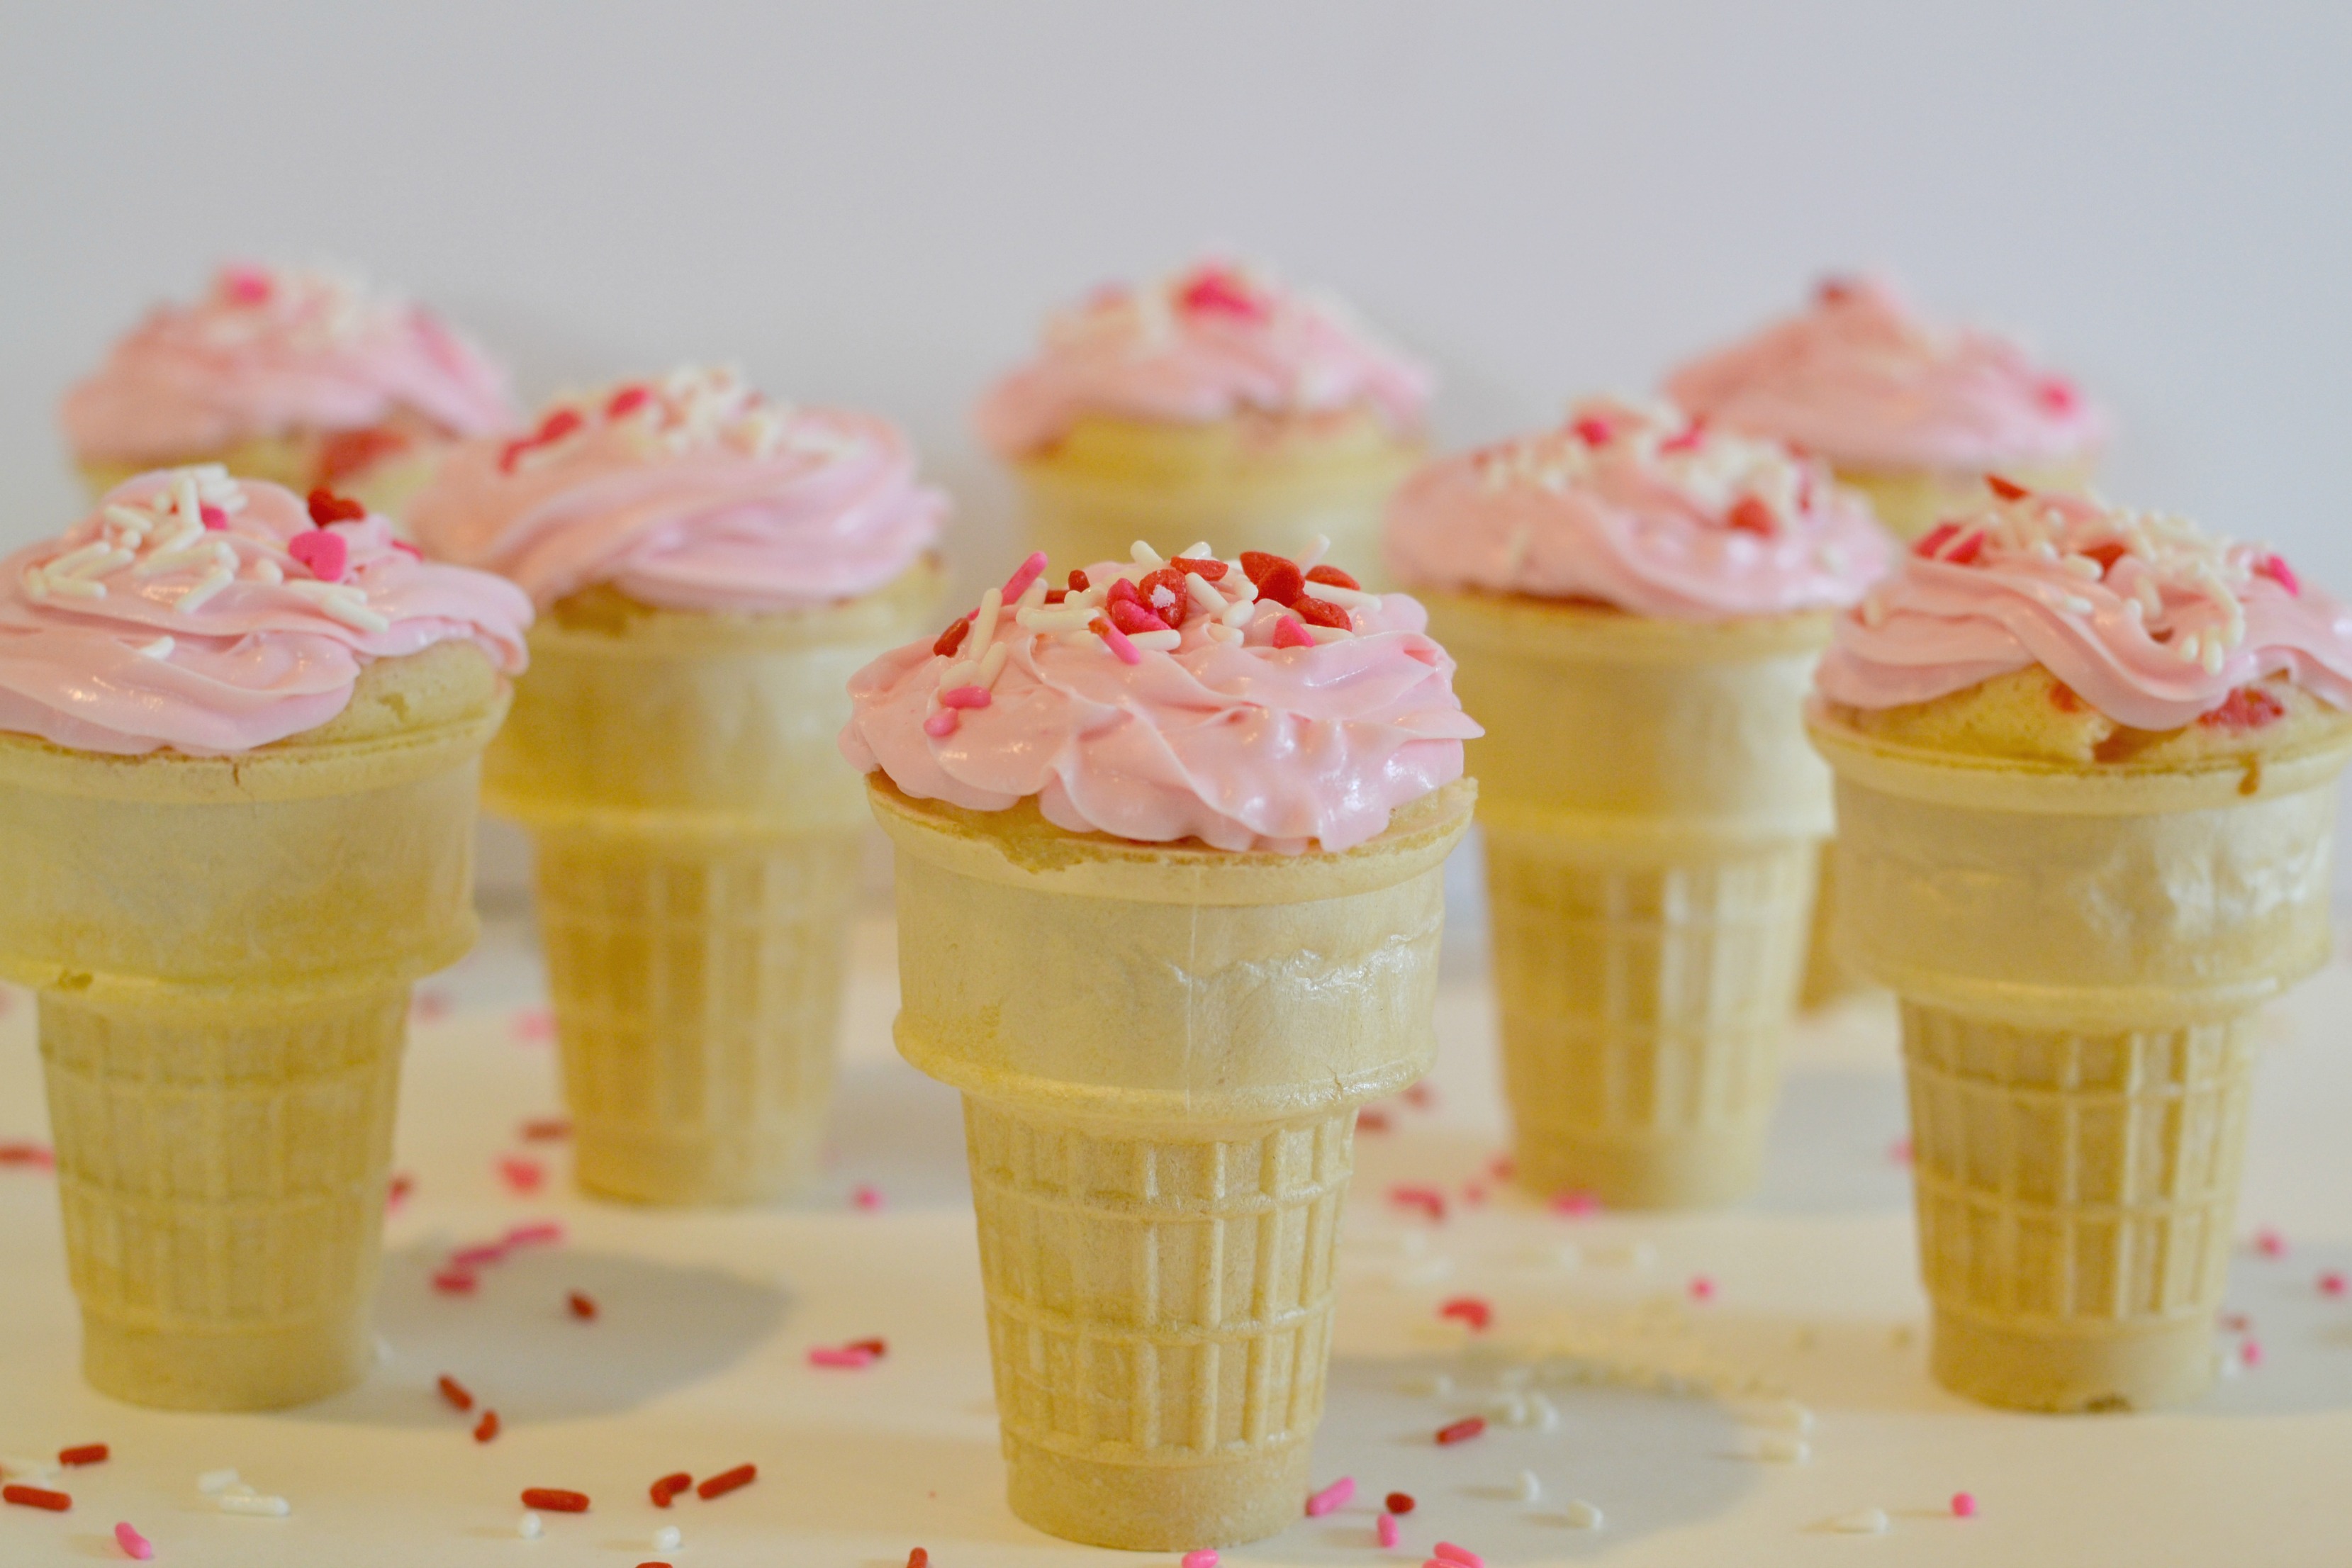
[325, 553]
[327, 507]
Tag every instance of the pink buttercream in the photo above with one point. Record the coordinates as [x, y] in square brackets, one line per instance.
[1195, 347]
[271, 353]
[2145, 618]
[1638, 507]
[692, 492]
[1228, 736]
[1864, 382]
[139, 630]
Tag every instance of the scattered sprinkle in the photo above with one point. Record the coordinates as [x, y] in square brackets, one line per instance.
[524, 1175]
[539, 1233]
[255, 1506]
[1335, 1496]
[460, 1396]
[1862, 1522]
[1964, 1505]
[1581, 1515]
[211, 1483]
[1385, 1530]
[1461, 1431]
[529, 1527]
[1702, 1287]
[2331, 1283]
[2250, 1354]
[487, 1427]
[134, 1545]
[2269, 1243]
[1201, 1559]
[1398, 1503]
[667, 1538]
[583, 1306]
[1474, 1311]
[727, 1481]
[1525, 1487]
[1576, 1206]
[919, 1558]
[1784, 1449]
[88, 1453]
[35, 1497]
[846, 1356]
[454, 1282]
[546, 1130]
[554, 1499]
[869, 1198]
[1446, 1552]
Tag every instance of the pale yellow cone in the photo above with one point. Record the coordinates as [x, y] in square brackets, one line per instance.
[294, 459]
[698, 836]
[1651, 816]
[2079, 952]
[1250, 483]
[1162, 1050]
[223, 949]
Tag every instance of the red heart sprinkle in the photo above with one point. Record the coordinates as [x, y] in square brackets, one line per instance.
[1318, 612]
[1211, 570]
[1132, 618]
[1592, 432]
[2007, 489]
[557, 425]
[1178, 602]
[1934, 539]
[1212, 290]
[628, 401]
[1966, 551]
[1288, 633]
[1277, 577]
[327, 507]
[1331, 576]
[1122, 589]
[326, 554]
[1079, 583]
[1751, 515]
[952, 638]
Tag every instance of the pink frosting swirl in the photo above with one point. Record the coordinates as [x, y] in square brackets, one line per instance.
[1636, 506]
[2145, 617]
[204, 615]
[692, 492]
[1196, 347]
[1864, 382]
[267, 353]
[1247, 725]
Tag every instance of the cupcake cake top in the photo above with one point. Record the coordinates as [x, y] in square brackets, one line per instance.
[1197, 346]
[689, 491]
[1261, 703]
[1635, 505]
[271, 351]
[2148, 620]
[205, 615]
[1863, 381]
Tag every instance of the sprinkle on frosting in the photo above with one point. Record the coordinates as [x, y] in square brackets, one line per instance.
[208, 614]
[690, 492]
[1196, 346]
[272, 351]
[1255, 703]
[1634, 504]
[1864, 382]
[2150, 620]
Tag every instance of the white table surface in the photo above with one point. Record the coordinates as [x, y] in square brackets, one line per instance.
[698, 1360]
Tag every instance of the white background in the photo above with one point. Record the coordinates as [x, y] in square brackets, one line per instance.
[874, 203]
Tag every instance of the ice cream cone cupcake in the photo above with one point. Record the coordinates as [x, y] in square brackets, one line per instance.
[1169, 846]
[2085, 763]
[1909, 414]
[304, 378]
[237, 776]
[1215, 400]
[1637, 600]
[711, 567]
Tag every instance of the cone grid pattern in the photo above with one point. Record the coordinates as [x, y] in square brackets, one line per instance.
[2075, 1181]
[1158, 1302]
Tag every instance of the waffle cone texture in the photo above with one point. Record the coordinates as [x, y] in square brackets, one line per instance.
[2079, 953]
[223, 950]
[1162, 1050]
[698, 838]
[1651, 816]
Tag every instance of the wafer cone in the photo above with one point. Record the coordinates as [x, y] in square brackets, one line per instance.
[2079, 952]
[1249, 482]
[223, 949]
[1652, 814]
[698, 849]
[1162, 1050]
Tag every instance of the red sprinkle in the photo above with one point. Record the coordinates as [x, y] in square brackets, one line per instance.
[1134, 620]
[524, 1175]
[1702, 1287]
[1592, 432]
[88, 1453]
[1934, 539]
[2106, 556]
[457, 1392]
[1966, 551]
[1318, 612]
[919, 1558]
[1687, 437]
[1211, 569]
[213, 518]
[39, 1156]
[487, 1427]
[1576, 1205]
[1276, 577]
[1750, 514]
[1079, 583]
[1833, 290]
[37, 1496]
[668, 1486]
[1215, 291]
[2058, 395]
[877, 1347]
[1398, 1503]
[2269, 1243]
[1330, 576]
[727, 1481]
[395, 1192]
[1371, 1122]
[1429, 1200]
[1180, 597]
[2007, 489]
[582, 1305]
[952, 639]
[550, 1129]
[1461, 1431]
[326, 554]
[2250, 1352]
[455, 1281]
[327, 507]
[1474, 1311]
[553, 1499]
[557, 425]
[628, 401]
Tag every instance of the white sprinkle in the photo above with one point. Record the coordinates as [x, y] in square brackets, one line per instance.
[1862, 1522]
[2213, 656]
[1581, 1515]
[1196, 550]
[2076, 604]
[1316, 548]
[1208, 598]
[1329, 633]
[1525, 1487]
[162, 561]
[64, 564]
[36, 583]
[1784, 1449]
[1546, 1414]
[77, 587]
[160, 648]
[28, 1469]
[1156, 642]
[239, 1489]
[1510, 1409]
[256, 1507]
[529, 1527]
[983, 626]
[211, 1483]
[667, 1538]
[262, 569]
[1218, 632]
[2135, 611]
[211, 583]
[1142, 554]
[1352, 599]
[109, 558]
[354, 613]
[1427, 1385]
[191, 510]
[1034, 596]
[993, 666]
[1053, 618]
[2083, 566]
[1240, 613]
[2187, 650]
[136, 521]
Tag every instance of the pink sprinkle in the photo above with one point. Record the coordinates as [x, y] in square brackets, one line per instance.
[1592, 432]
[1288, 633]
[324, 552]
[481, 1252]
[1128, 652]
[215, 520]
[2269, 1243]
[941, 725]
[966, 697]
[1386, 1530]
[536, 1233]
[534, 1024]
[1899, 1150]
[2236, 1322]
[1446, 1552]
[429, 1006]
[1474, 1194]
[133, 1544]
[1420, 1094]
[406, 549]
[867, 1198]
[1702, 1287]
[1332, 1498]
[1028, 571]
[2250, 1352]
[34, 1156]
[396, 1191]
[454, 1282]
[1964, 1505]
[2331, 1283]
[1201, 1558]
[1576, 1205]
[524, 1175]
[1429, 1200]
[2275, 568]
[851, 1356]
[245, 285]
[1502, 1167]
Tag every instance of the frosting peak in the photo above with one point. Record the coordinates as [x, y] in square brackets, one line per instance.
[2144, 616]
[1861, 380]
[205, 615]
[1635, 505]
[689, 491]
[268, 351]
[1261, 703]
[1199, 345]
